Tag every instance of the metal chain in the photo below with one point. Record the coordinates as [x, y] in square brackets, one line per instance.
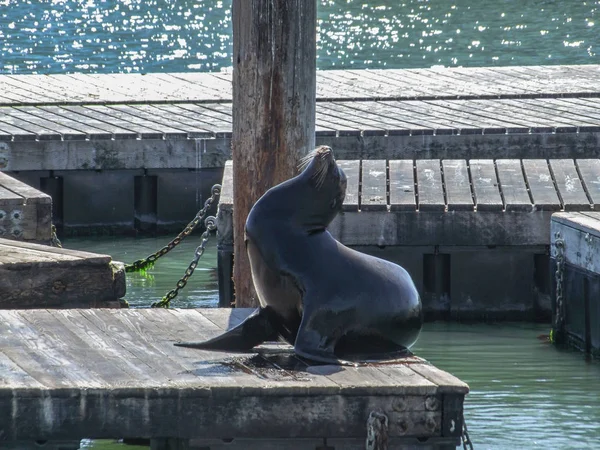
[54, 238]
[377, 431]
[559, 319]
[211, 225]
[466, 440]
[148, 262]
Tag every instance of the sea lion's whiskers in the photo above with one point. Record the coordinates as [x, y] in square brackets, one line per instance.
[305, 161]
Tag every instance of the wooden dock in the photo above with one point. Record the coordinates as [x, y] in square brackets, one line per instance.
[41, 276]
[165, 136]
[72, 374]
[25, 212]
[450, 222]
[576, 280]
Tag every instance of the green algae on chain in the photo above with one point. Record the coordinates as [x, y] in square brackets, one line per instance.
[143, 265]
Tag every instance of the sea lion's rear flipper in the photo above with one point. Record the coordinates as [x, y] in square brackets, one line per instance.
[256, 329]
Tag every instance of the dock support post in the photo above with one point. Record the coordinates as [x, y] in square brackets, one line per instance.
[274, 91]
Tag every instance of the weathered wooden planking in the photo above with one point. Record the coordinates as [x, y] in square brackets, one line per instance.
[25, 212]
[590, 176]
[429, 185]
[446, 83]
[374, 185]
[569, 185]
[541, 185]
[402, 185]
[512, 185]
[352, 171]
[116, 373]
[486, 188]
[457, 184]
[36, 276]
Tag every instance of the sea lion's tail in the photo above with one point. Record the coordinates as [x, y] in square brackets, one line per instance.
[256, 329]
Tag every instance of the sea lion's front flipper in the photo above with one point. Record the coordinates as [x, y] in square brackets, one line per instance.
[256, 329]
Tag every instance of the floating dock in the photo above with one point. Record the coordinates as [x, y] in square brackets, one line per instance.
[576, 280]
[450, 222]
[41, 276]
[165, 136]
[73, 374]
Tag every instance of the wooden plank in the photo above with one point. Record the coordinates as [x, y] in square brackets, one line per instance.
[486, 187]
[15, 119]
[361, 111]
[430, 192]
[446, 382]
[32, 115]
[144, 129]
[541, 185]
[164, 115]
[589, 170]
[30, 194]
[33, 276]
[40, 356]
[89, 337]
[123, 334]
[457, 184]
[374, 185]
[402, 185]
[570, 189]
[512, 185]
[352, 171]
[139, 115]
[91, 122]
[489, 122]
[219, 123]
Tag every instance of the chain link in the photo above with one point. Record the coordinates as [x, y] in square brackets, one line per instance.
[144, 264]
[466, 440]
[559, 319]
[165, 302]
[377, 431]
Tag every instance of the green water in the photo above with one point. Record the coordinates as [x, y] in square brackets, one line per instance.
[524, 393]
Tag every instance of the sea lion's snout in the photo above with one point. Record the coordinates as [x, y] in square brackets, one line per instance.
[324, 151]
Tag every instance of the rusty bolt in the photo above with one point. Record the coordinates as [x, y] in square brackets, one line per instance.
[58, 287]
[431, 403]
[399, 404]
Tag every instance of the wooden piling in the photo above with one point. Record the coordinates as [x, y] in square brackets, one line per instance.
[274, 85]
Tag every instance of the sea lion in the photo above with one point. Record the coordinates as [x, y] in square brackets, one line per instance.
[332, 303]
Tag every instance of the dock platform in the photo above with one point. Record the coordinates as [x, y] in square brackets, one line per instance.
[576, 280]
[72, 374]
[41, 276]
[452, 221]
[160, 136]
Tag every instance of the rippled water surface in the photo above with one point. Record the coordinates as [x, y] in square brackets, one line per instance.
[524, 393]
[106, 36]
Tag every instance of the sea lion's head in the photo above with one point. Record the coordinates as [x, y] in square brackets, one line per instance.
[327, 184]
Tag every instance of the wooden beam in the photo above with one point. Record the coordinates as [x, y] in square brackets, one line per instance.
[274, 85]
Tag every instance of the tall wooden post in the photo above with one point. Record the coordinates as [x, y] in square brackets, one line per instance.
[274, 84]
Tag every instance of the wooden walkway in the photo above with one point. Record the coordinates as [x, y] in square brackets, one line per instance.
[352, 102]
[71, 374]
